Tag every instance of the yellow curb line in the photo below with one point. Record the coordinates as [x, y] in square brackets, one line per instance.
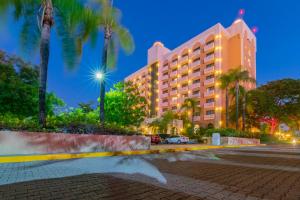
[31, 158]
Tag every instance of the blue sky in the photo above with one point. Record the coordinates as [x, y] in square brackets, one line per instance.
[174, 22]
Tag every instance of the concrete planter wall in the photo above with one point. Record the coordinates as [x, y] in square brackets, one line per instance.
[44, 143]
[236, 141]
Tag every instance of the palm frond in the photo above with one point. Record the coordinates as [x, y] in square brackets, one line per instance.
[125, 39]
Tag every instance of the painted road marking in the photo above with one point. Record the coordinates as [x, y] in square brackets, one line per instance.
[64, 156]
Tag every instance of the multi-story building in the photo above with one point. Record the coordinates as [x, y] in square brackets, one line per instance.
[191, 71]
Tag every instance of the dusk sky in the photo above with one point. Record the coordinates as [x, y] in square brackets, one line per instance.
[173, 22]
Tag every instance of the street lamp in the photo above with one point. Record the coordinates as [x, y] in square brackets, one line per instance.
[99, 75]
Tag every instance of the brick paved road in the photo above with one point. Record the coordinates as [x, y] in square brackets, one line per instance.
[248, 173]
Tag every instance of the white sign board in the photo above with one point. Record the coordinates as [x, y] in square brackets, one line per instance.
[216, 139]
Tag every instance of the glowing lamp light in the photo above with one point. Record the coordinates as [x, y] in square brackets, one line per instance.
[99, 75]
[254, 29]
[242, 12]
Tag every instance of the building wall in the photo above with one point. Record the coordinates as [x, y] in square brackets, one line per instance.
[191, 71]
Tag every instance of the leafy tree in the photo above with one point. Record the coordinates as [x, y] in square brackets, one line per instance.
[163, 123]
[124, 105]
[73, 22]
[190, 106]
[86, 107]
[108, 19]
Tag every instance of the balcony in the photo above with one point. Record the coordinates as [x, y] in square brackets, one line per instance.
[184, 89]
[195, 86]
[196, 63]
[209, 81]
[164, 95]
[196, 53]
[196, 74]
[196, 118]
[164, 77]
[173, 74]
[173, 92]
[209, 93]
[209, 46]
[209, 117]
[184, 58]
[174, 64]
[173, 82]
[165, 68]
[184, 79]
[209, 58]
[184, 68]
[209, 105]
[165, 104]
[209, 70]
[196, 95]
[164, 86]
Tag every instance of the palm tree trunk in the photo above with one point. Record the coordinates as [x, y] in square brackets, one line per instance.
[227, 105]
[44, 55]
[237, 105]
[107, 37]
[193, 113]
[244, 113]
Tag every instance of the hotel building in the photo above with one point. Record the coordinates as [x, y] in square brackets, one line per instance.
[191, 71]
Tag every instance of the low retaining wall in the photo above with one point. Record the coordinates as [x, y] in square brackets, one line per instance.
[45, 143]
[236, 141]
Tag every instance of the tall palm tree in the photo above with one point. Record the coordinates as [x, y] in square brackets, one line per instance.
[108, 19]
[225, 80]
[38, 16]
[239, 76]
[191, 105]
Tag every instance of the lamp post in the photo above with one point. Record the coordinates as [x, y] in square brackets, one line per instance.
[99, 76]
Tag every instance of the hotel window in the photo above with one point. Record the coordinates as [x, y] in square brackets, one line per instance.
[196, 92]
[166, 65]
[174, 79]
[197, 49]
[165, 83]
[165, 100]
[196, 81]
[210, 65]
[197, 70]
[210, 112]
[185, 65]
[184, 75]
[185, 95]
[174, 88]
[210, 100]
[209, 77]
[210, 42]
[210, 88]
[175, 60]
[209, 54]
[165, 74]
[196, 60]
[165, 92]
[184, 85]
[185, 55]
[174, 107]
[174, 99]
[174, 70]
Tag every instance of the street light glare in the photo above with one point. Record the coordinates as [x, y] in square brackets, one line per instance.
[99, 75]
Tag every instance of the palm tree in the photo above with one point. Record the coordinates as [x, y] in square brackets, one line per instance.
[72, 21]
[225, 80]
[108, 19]
[239, 76]
[191, 105]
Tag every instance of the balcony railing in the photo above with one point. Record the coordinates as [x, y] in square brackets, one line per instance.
[164, 95]
[164, 86]
[184, 68]
[184, 79]
[196, 53]
[196, 95]
[174, 64]
[184, 58]
[164, 77]
[209, 81]
[209, 70]
[209, 46]
[196, 74]
[209, 93]
[165, 68]
[173, 92]
[174, 82]
[209, 117]
[209, 105]
[165, 104]
[209, 58]
[184, 89]
[196, 63]
[195, 86]
[173, 74]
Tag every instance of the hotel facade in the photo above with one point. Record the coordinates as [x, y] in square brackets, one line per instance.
[191, 71]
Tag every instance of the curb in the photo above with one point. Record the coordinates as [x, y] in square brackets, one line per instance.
[64, 156]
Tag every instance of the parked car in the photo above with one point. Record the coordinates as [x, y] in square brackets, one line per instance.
[155, 139]
[177, 140]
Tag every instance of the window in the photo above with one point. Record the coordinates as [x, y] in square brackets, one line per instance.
[174, 70]
[211, 88]
[196, 70]
[174, 88]
[210, 77]
[196, 60]
[185, 65]
[184, 85]
[209, 54]
[196, 92]
[197, 49]
[175, 60]
[185, 55]
[210, 42]
[210, 100]
[174, 107]
[184, 75]
[165, 100]
[165, 82]
[174, 98]
[210, 65]
[185, 95]
[196, 81]
[165, 92]
[165, 74]
[210, 112]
